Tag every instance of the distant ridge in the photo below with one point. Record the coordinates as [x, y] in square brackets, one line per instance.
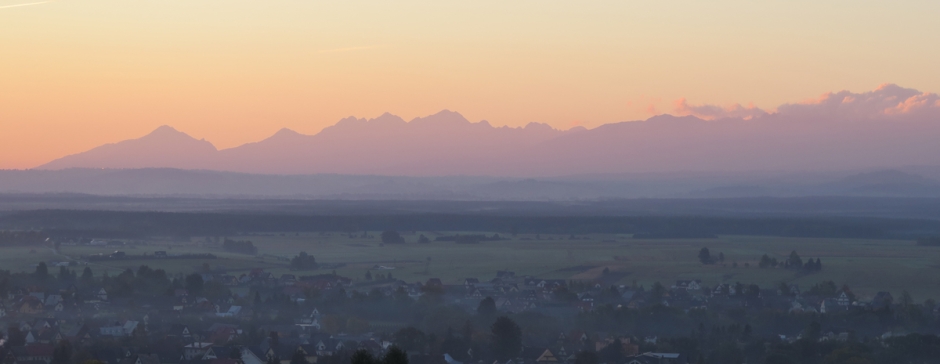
[164, 147]
[166, 182]
[888, 128]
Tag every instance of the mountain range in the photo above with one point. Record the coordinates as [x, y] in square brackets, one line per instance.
[888, 128]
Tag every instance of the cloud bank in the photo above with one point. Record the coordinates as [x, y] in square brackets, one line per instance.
[885, 102]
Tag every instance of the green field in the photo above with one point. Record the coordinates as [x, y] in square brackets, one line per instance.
[867, 266]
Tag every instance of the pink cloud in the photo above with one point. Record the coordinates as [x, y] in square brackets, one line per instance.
[913, 104]
[888, 100]
[712, 112]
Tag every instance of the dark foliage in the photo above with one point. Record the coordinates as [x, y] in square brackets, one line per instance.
[392, 237]
[362, 356]
[507, 338]
[487, 306]
[240, 246]
[303, 261]
[395, 355]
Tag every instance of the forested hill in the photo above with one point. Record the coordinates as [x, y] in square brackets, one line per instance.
[118, 224]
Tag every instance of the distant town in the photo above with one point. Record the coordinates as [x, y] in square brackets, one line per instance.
[66, 312]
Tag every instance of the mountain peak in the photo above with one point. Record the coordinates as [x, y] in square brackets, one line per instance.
[285, 132]
[165, 130]
[441, 117]
[164, 147]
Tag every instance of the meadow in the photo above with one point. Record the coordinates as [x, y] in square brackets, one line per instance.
[866, 266]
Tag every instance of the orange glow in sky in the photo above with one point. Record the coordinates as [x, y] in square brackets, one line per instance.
[75, 74]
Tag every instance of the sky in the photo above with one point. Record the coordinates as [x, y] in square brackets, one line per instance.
[75, 74]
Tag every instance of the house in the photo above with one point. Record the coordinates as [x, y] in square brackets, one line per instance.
[33, 353]
[231, 312]
[249, 357]
[843, 299]
[830, 305]
[125, 329]
[29, 305]
[656, 358]
[792, 288]
[141, 359]
[547, 358]
[692, 285]
[102, 295]
[52, 300]
[287, 280]
[50, 336]
[196, 350]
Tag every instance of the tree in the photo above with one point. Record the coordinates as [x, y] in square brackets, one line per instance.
[62, 353]
[392, 237]
[657, 293]
[487, 306]
[15, 337]
[721, 257]
[764, 262]
[411, 338]
[42, 271]
[368, 275]
[812, 331]
[586, 357]
[507, 338]
[64, 275]
[303, 261]
[298, 357]
[467, 331]
[613, 352]
[753, 291]
[215, 290]
[423, 239]
[194, 284]
[794, 261]
[235, 352]
[705, 256]
[242, 247]
[846, 355]
[746, 334]
[395, 355]
[274, 340]
[362, 356]
[87, 275]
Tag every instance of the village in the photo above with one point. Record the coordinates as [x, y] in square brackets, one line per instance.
[255, 317]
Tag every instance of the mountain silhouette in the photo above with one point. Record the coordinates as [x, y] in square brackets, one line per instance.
[164, 147]
[836, 132]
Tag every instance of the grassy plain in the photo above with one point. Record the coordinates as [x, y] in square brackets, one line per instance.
[867, 266]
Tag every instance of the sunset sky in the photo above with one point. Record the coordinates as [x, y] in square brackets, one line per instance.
[75, 74]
